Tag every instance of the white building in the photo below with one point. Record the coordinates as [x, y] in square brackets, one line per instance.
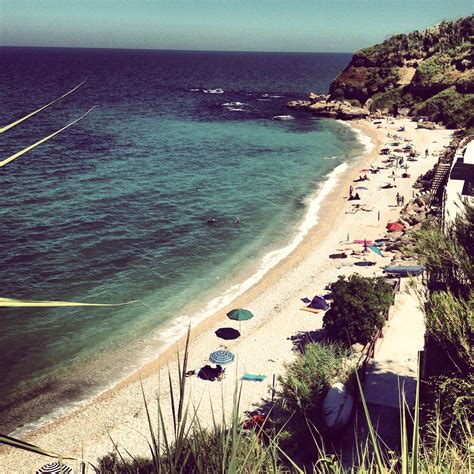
[460, 185]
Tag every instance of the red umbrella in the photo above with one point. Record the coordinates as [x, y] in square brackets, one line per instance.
[395, 227]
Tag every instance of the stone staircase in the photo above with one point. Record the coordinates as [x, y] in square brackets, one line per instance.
[442, 170]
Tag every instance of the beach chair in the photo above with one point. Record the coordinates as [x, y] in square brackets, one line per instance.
[253, 377]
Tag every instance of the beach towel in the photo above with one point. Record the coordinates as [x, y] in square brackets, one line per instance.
[310, 310]
[254, 378]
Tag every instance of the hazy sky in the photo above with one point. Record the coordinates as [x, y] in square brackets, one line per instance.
[242, 25]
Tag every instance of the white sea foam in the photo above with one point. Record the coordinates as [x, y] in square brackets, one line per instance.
[283, 117]
[361, 137]
[232, 104]
[213, 91]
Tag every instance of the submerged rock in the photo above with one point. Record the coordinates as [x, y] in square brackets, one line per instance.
[295, 104]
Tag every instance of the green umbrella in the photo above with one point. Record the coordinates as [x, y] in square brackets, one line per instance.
[240, 315]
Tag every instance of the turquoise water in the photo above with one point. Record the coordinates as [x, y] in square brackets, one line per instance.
[116, 209]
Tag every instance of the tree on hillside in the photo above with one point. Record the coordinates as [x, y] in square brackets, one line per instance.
[357, 309]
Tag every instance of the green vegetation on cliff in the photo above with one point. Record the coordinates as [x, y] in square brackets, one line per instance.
[428, 73]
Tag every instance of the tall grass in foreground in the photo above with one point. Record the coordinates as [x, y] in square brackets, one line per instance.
[227, 448]
[189, 447]
[448, 306]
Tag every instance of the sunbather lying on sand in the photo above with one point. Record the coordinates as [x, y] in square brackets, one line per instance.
[209, 373]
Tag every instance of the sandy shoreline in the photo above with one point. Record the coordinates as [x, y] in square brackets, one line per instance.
[267, 340]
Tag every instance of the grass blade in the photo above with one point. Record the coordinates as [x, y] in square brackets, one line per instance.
[14, 303]
[18, 443]
[45, 139]
[416, 425]
[373, 435]
[13, 124]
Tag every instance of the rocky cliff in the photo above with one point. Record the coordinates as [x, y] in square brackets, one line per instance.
[428, 73]
[422, 74]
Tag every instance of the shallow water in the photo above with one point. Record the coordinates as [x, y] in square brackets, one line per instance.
[115, 209]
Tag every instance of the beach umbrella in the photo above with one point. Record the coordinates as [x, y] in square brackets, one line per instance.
[54, 468]
[239, 315]
[227, 333]
[395, 227]
[363, 188]
[221, 357]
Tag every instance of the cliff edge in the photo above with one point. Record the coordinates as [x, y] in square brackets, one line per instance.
[425, 74]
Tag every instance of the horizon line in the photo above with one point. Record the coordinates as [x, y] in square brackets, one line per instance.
[175, 50]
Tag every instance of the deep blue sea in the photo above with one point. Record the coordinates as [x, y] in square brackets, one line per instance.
[116, 208]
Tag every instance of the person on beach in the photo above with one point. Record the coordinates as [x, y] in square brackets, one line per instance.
[350, 191]
[427, 153]
[398, 199]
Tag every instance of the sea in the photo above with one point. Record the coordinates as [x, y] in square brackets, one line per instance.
[185, 184]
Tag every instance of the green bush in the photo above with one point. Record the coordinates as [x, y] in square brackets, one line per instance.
[355, 103]
[449, 318]
[358, 308]
[450, 107]
[394, 97]
[437, 69]
[448, 257]
[338, 94]
[303, 387]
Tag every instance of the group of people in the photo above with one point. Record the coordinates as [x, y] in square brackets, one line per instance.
[353, 197]
[400, 200]
[210, 373]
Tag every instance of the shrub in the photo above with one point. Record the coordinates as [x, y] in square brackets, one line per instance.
[338, 94]
[202, 451]
[448, 307]
[398, 97]
[448, 257]
[303, 388]
[357, 309]
[451, 107]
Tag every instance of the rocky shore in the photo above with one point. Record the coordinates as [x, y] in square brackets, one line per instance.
[323, 106]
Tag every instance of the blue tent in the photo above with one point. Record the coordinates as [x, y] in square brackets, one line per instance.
[318, 302]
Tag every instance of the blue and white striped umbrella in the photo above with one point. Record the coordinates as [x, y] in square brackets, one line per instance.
[221, 357]
[54, 468]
